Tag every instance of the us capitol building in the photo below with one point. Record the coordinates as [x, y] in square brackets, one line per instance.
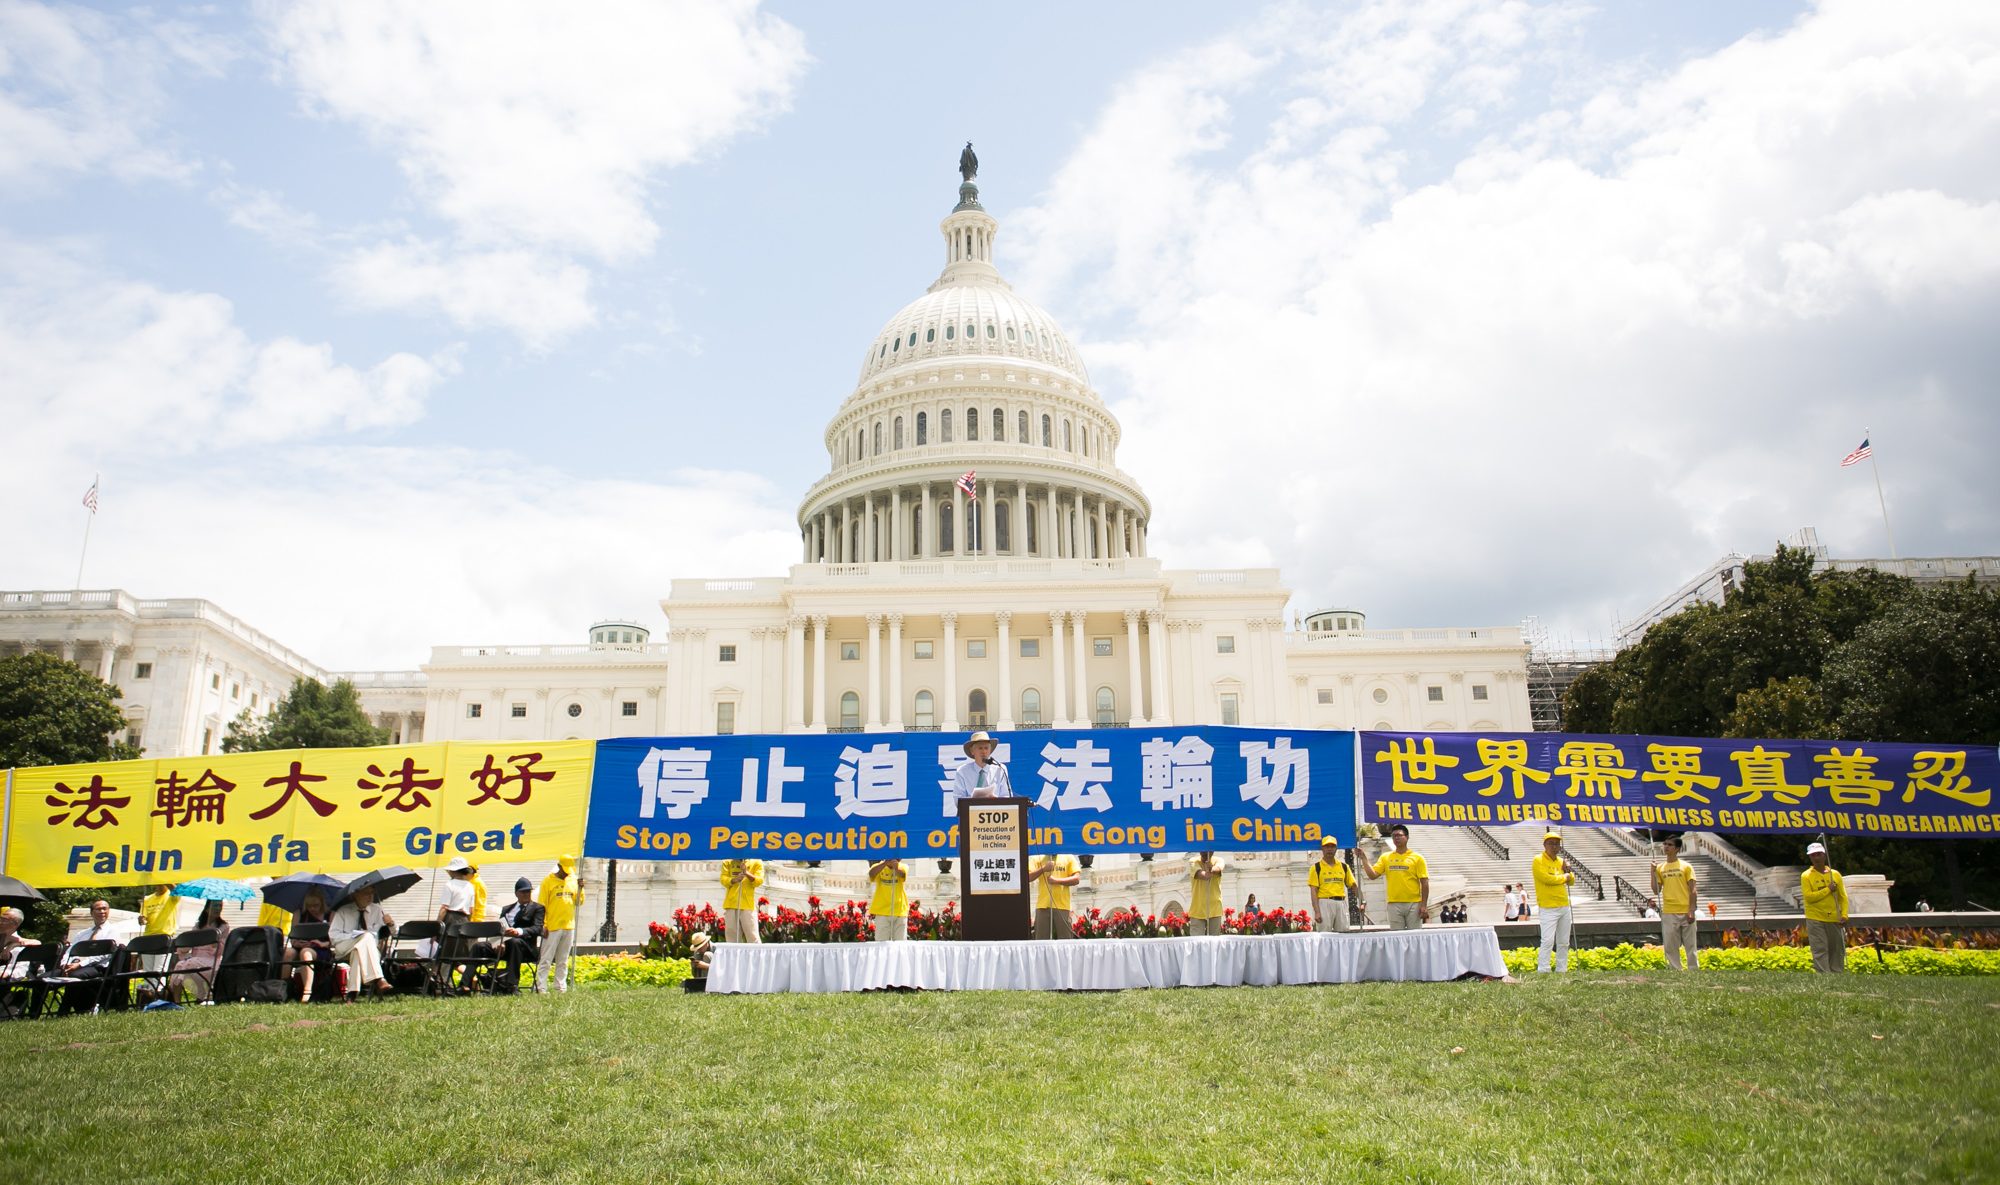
[915, 606]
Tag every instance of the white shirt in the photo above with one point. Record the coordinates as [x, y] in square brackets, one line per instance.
[87, 934]
[456, 895]
[348, 922]
[965, 783]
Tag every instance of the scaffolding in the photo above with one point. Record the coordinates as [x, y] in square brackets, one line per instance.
[1552, 666]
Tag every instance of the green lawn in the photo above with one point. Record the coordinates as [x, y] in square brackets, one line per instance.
[1722, 1077]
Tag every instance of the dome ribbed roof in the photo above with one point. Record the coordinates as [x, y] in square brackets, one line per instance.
[969, 321]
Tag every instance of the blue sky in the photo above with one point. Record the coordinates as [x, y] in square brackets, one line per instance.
[391, 326]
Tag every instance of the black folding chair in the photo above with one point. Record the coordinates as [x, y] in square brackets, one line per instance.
[188, 941]
[129, 969]
[407, 965]
[85, 993]
[324, 967]
[24, 993]
[474, 954]
[249, 956]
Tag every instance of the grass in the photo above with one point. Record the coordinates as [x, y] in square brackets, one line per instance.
[1718, 1077]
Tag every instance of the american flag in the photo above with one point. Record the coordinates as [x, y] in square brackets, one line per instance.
[90, 496]
[970, 484]
[1857, 456]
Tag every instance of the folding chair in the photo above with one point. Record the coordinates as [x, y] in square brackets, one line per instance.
[324, 966]
[408, 967]
[129, 970]
[249, 956]
[90, 990]
[188, 941]
[24, 993]
[464, 940]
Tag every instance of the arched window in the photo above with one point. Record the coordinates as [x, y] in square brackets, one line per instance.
[1031, 708]
[948, 332]
[923, 429]
[944, 426]
[1034, 530]
[883, 352]
[972, 423]
[999, 424]
[971, 331]
[1002, 532]
[1107, 706]
[1022, 435]
[878, 438]
[926, 710]
[899, 432]
[913, 339]
[990, 334]
[850, 710]
[860, 444]
[1046, 439]
[1010, 333]
[944, 529]
[917, 529]
[975, 708]
[896, 346]
[1084, 439]
[930, 334]
[1069, 441]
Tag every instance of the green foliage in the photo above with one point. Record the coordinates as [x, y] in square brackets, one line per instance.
[311, 716]
[623, 970]
[56, 713]
[1781, 708]
[1860, 959]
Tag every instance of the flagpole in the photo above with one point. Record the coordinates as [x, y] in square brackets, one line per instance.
[86, 538]
[1869, 435]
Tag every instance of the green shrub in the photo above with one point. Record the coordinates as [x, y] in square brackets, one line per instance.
[627, 971]
[1861, 960]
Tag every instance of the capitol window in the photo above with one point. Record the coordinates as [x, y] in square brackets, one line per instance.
[924, 649]
[1069, 440]
[725, 718]
[1031, 708]
[897, 345]
[1022, 435]
[1326, 695]
[926, 710]
[1479, 692]
[142, 670]
[913, 339]
[725, 653]
[1107, 706]
[944, 426]
[850, 710]
[518, 711]
[975, 708]
[1100, 647]
[1434, 694]
[899, 432]
[1381, 695]
[989, 331]
[472, 711]
[975, 648]
[971, 331]
[930, 335]
[850, 652]
[947, 333]
[1010, 333]
[1045, 432]
[923, 429]
[574, 711]
[1031, 647]
[1229, 707]
[972, 423]
[999, 424]
[629, 707]
[1225, 644]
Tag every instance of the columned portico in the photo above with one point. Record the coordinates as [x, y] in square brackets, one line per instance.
[873, 721]
[948, 711]
[1003, 719]
[1081, 704]
[1058, 706]
[1162, 683]
[818, 721]
[1135, 705]
[895, 672]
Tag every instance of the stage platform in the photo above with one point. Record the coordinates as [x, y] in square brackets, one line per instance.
[1108, 964]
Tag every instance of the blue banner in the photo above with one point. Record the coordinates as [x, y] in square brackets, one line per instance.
[869, 795]
[1697, 784]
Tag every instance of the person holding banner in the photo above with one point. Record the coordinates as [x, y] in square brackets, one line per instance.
[1330, 878]
[1825, 897]
[561, 897]
[158, 911]
[889, 905]
[979, 776]
[1673, 880]
[1204, 896]
[1054, 876]
[1409, 880]
[740, 880]
[1552, 881]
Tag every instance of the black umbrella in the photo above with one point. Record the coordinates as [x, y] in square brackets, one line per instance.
[387, 882]
[13, 892]
[289, 892]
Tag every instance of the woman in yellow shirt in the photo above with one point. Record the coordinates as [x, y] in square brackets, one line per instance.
[889, 905]
[740, 879]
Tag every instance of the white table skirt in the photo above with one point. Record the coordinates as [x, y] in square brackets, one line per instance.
[1260, 960]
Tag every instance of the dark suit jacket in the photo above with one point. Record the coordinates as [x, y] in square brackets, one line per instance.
[525, 918]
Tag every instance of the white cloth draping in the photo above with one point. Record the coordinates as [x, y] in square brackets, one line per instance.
[1108, 963]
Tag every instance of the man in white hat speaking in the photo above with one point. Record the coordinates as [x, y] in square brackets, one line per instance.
[981, 776]
[1826, 912]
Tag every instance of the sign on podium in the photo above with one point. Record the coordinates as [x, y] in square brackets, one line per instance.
[993, 869]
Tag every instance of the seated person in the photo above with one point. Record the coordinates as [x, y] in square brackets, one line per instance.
[355, 924]
[315, 955]
[83, 996]
[196, 964]
[521, 930]
[699, 953]
[11, 941]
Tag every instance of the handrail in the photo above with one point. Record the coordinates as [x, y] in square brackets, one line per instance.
[1723, 852]
[1494, 847]
[1625, 839]
[1583, 873]
[1631, 896]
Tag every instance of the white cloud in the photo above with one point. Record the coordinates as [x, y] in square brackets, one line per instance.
[534, 296]
[1611, 340]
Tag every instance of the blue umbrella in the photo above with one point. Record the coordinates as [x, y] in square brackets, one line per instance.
[289, 892]
[214, 888]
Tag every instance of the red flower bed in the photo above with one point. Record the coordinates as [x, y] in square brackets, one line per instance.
[849, 922]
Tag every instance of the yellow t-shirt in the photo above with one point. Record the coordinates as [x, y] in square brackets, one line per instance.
[1402, 871]
[560, 899]
[744, 894]
[478, 913]
[270, 915]
[158, 911]
[1053, 896]
[1825, 895]
[1329, 880]
[1551, 882]
[1676, 887]
[1204, 895]
[891, 898]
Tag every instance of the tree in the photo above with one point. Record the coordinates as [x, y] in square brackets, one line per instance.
[311, 716]
[53, 712]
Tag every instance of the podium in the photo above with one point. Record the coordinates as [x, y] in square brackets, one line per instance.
[993, 902]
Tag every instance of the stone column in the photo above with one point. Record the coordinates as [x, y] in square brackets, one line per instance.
[1058, 717]
[818, 721]
[795, 673]
[927, 541]
[1004, 718]
[868, 531]
[960, 545]
[1135, 706]
[895, 672]
[897, 535]
[1156, 644]
[989, 543]
[1120, 547]
[1081, 707]
[948, 714]
[1017, 520]
[1077, 547]
[872, 721]
[1103, 531]
[846, 532]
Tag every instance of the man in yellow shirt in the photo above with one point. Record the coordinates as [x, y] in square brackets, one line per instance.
[561, 897]
[1826, 912]
[1053, 876]
[1552, 881]
[1409, 880]
[1673, 880]
[1329, 879]
[478, 895]
[740, 879]
[889, 905]
[1204, 896]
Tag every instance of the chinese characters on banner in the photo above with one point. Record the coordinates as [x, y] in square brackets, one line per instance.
[319, 810]
[1578, 780]
[865, 796]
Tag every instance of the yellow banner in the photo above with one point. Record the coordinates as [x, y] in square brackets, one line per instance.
[296, 810]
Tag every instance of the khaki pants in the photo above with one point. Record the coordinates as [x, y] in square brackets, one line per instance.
[1403, 915]
[1677, 933]
[1330, 914]
[1555, 940]
[1204, 927]
[1829, 946]
[1052, 923]
[740, 925]
[554, 963]
[896, 929]
[364, 961]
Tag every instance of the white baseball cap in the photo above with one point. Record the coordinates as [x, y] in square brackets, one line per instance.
[458, 864]
[1812, 848]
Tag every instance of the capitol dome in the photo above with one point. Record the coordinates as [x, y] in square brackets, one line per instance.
[972, 431]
